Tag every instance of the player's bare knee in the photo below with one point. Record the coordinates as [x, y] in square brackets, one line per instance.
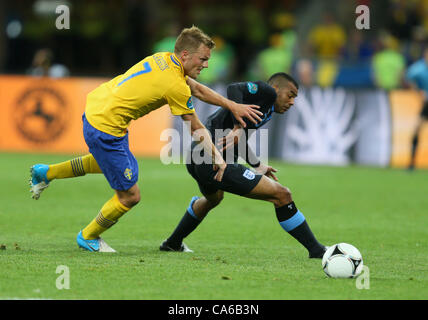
[135, 199]
[130, 200]
[282, 196]
[219, 199]
[215, 201]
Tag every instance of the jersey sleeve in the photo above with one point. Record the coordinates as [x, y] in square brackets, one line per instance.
[258, 93]
[179, 98]
[237, 92]
[269, 93]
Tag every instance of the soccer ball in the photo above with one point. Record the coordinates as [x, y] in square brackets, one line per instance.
[342, 260]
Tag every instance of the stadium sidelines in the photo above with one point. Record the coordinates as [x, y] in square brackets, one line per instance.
[378, 124]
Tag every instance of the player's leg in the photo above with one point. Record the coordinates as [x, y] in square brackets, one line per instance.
[43, 174]
[197, 209]
[111, 211]
[73, 168]
[195, 213]
[205, 204]
[130, 197]
[289, 217]
[120, 168]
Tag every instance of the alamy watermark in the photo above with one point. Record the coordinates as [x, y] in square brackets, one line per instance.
[171, 152]
[363, 20]
[63, 280]
[63, 20]
[363, 280]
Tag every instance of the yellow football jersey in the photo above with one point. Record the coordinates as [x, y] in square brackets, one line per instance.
[153, 82]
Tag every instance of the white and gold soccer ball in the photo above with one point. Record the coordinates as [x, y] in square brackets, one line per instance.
[342, 260]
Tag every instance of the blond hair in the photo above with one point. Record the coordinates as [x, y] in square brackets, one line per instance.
[191, 38]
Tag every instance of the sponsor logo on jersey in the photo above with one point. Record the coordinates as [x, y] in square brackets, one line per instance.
[250, 175]
[252, 87]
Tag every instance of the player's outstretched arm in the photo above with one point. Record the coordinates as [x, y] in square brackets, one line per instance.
[238, 110]
[204, 137]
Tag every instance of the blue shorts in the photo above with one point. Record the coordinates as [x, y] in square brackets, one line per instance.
[113, 156]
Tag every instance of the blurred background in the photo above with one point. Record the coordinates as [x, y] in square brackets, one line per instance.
[254, 37]
[314, 40]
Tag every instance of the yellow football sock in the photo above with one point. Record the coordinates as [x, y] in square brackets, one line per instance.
[108, 216]
[73, 168]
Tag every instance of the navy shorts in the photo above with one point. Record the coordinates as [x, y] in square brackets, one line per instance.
[237, 179]
[113, 156]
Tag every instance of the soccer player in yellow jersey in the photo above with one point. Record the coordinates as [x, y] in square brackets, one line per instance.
[160, 79]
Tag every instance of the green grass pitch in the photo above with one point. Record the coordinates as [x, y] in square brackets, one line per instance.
[241, 252]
